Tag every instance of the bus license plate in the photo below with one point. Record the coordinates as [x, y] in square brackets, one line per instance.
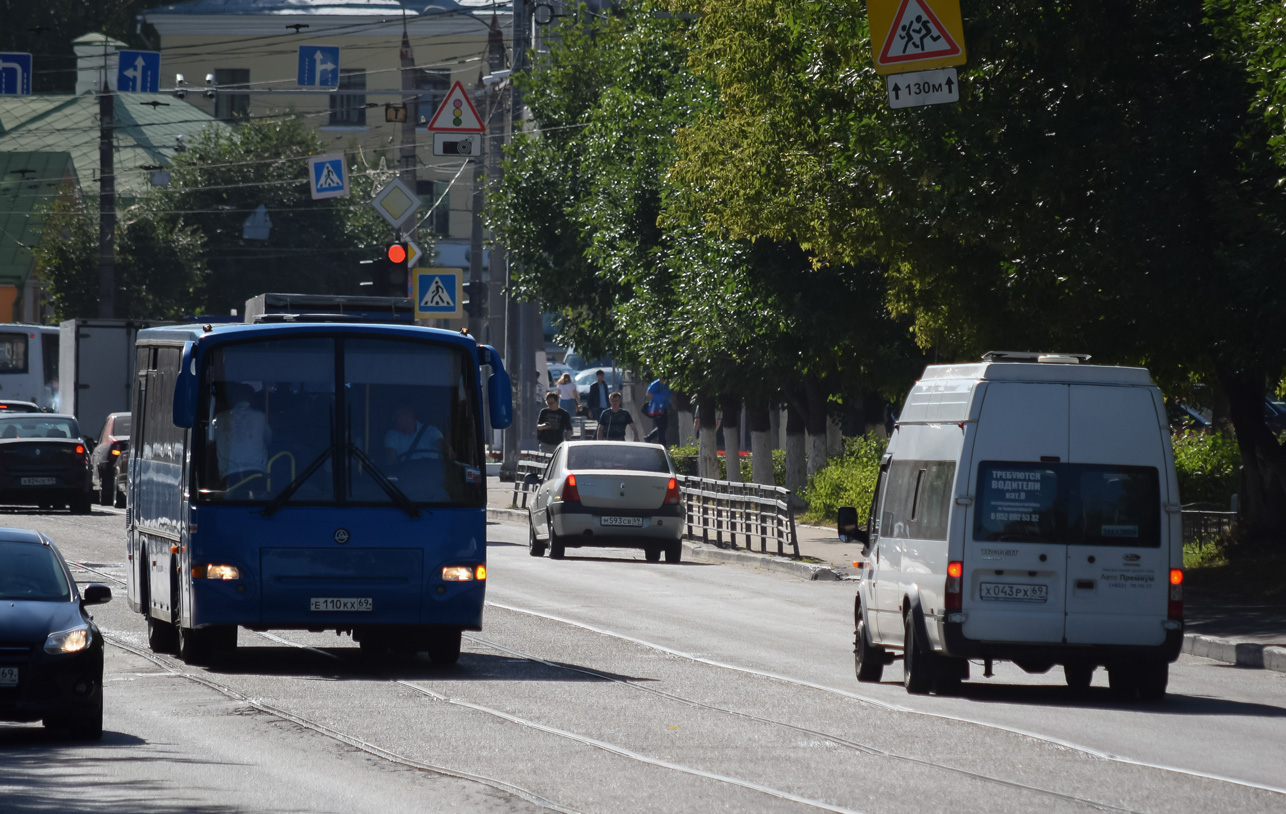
[1010, 592]
[327, 603]
[636, 522]
[8, 676]
[39, 481]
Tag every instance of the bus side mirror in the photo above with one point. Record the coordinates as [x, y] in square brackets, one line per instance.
[186, 388]
[499, 390]
[849, 531]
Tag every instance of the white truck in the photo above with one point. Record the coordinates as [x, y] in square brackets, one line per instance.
[96, 364]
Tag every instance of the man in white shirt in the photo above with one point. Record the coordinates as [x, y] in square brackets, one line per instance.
[241, 438]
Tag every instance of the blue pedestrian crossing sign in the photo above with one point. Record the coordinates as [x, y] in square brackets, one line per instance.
[318, 66]
[437, 293]
[327, 177]
[15, 74]
[139, 72]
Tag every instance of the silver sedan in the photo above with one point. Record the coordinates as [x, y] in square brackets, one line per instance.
[611, 494]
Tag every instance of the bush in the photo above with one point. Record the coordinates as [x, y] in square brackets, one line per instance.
[848, 480]
[1208, 466]
[685, 461]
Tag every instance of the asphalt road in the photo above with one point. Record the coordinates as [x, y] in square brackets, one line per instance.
[602, 683]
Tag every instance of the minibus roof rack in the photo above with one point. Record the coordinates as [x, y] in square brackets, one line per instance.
[1035, 356]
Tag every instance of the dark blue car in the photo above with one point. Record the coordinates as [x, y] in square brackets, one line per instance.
[51, 652]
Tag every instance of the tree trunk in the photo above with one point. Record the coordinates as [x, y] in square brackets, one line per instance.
[759, 418]
[815, 399]
[731, 405]
[796, 458]
[707, 455]
[1263, 460]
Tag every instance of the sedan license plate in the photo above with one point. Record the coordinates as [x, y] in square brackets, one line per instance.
[635, 522]
[8, 676]
[39, 481]
[327, 603]
[1011, 592]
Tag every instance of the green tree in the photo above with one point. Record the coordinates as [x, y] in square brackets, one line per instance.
[1102, 186]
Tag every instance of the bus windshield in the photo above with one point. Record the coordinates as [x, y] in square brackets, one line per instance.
[326, 420]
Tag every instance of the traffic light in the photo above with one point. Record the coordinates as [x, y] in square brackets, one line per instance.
[475, 298]
[388, 273]
[398, 253]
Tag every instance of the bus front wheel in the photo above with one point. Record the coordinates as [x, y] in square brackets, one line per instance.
[162, 637]
[444, 647]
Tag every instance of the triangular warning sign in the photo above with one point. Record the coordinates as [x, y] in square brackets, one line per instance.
[916, 35]
[456, 114]
[437, 296]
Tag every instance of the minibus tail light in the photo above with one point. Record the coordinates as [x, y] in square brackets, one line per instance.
[570, 492]
[955, 582]
[1175, 608]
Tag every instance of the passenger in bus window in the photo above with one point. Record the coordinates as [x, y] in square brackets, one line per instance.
[241, 437]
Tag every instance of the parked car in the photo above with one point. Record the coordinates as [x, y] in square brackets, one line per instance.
[44, 461]
[19, 407]
[614, 376]
[121, 477]
[51, 663]
[1275, 415]
[611, 494]
[1183, 417]
[103, 460]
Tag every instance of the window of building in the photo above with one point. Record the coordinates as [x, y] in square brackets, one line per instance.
[429, 192]
[348, 104]
[433, 86]
[231, 106]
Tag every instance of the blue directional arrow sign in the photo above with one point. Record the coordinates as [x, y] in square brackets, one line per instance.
[318, 66]
[15, 74]
[139, 72]
[437, 293]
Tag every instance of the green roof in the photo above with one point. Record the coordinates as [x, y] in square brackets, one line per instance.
[26, 180]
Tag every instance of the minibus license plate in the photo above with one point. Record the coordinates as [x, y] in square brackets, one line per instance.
[341, 604]
[39, 481]
[1010, 592]
[8, 676]
[637, 522]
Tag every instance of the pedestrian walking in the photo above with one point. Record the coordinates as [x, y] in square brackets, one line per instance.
[658, 409]
[597, 400]
[613, 421]
[568, 396]
[554, 424]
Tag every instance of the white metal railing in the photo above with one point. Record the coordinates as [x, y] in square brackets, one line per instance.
[718, 508]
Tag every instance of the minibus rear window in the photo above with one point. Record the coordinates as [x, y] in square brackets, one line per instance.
[1071, 504]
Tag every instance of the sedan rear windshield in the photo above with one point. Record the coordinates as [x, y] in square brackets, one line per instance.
[35, 425]
[31, 572]
[1073, 504]
[639, 459]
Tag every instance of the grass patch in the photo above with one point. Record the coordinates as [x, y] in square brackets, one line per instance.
[1241, 573]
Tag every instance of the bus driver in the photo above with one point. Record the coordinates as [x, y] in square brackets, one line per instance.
[241, 437]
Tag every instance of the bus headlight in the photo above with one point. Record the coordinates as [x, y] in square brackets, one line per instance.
[464, 573]
[68, 641]
[224, 572]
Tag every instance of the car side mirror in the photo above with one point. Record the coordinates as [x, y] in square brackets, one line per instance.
[532, 479]
[96, 593]
[849, 530]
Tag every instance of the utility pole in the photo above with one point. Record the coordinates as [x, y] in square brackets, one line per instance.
[106, 202]
[407, 169]
[518, 350]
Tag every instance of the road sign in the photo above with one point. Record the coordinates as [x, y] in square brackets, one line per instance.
[461, 144]
[318, 66]
[327, 176]
[15, 74]
[909, 35]
[437, 293]
[923, 88]
[396, 202]
[412, 253]
[456, 114]
[139, 72]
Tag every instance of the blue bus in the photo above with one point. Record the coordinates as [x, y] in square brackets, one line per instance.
[310, 476]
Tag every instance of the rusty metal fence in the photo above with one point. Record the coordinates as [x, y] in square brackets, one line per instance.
[1202, 526]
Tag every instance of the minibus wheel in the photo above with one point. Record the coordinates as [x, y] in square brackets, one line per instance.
[917, 665]
[868, 660]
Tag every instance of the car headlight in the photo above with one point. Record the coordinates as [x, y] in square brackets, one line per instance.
[69, 641]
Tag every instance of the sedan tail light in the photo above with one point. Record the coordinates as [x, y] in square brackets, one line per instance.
[672, 495]
[570, 492]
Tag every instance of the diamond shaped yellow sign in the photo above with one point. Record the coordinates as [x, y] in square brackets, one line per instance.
[396, 203]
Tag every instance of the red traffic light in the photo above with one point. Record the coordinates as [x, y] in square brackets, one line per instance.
[397, 253]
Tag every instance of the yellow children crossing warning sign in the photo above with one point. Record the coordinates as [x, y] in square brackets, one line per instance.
[914, 35]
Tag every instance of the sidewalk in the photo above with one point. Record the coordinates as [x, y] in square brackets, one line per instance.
[1244, 634]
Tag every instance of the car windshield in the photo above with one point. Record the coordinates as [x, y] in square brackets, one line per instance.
[37, 425]
[614, 456]
[31, 572]
[401, 414]
[1077, 504]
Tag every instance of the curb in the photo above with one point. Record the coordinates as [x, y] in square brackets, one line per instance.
[1241, 654]
[701, 552]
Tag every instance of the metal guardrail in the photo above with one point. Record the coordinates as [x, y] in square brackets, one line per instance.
[715, 508]
[716, 511]
[1201, 526]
